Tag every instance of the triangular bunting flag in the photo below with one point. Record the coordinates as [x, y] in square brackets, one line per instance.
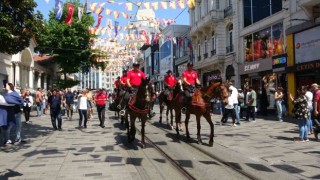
[129, 6]
[155, 5]
[164, 5]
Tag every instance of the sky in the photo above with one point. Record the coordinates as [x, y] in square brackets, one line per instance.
[44, 6]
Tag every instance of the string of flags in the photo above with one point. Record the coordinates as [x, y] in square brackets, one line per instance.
[155, 5]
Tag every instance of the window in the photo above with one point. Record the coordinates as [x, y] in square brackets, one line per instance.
[199, 51]
[213, 41]
[205, 45]
[199, 12]
[217, 4]
[255, 11]
[207, 6]
[229, 43]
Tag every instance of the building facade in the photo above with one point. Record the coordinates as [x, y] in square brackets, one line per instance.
[214, 34]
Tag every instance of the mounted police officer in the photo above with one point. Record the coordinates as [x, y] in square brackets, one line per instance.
[190, 80]
[169, 82]
[134, 79]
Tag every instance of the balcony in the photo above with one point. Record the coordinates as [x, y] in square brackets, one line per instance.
[205, 55]
[206, 21]
[228, 11]
[229, 49]
[199, 58]
[213, 52]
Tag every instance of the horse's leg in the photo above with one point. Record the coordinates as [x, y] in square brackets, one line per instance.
[178, 119]
[198, 129]
[167, 115]
[161, 109]
[132, 128]
[127, 125]
[171, 117]
[186, 124]
[142, 131]
[208, 118]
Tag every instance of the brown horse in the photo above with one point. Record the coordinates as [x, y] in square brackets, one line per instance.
[138, 107]
[118, 100]
[153, 96]
[201, 106]
[168, 101]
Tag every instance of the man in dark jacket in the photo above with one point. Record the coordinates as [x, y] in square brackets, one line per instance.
[55, 109]
[12, 97]
[69, 96]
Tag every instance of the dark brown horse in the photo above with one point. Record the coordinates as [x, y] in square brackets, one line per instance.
[200, 106]
[168, 101]
[138, 107]
[153, 96]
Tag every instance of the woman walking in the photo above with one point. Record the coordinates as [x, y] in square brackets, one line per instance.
[278, 96]
[27, 103]
[301, 112]
[83, 108]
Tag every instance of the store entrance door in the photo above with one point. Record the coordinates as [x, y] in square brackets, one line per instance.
[256, 83]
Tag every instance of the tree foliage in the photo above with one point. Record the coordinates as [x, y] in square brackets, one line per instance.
[18, 24]
[70, 45]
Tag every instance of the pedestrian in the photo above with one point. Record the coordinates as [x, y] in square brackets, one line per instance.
[90, 104]
[83, 104]
[251, 100]
[39, 102]
[234, 94]
[241, 102]
[44, 101]
[100, 100]
[229, 110]
[301, 112]
[27, 104]
[278, 97]
[69, 98]
[309, 96]
[55, 102]
[12, 97]
[7, 120]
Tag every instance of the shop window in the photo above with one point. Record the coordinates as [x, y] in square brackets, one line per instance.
[205, 45]
[278, 39]
[255, 11]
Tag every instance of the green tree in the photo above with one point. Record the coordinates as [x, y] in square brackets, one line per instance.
[70, 45]
[18, 24]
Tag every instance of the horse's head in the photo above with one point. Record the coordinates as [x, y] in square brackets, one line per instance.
[144, 90]
[223, 93]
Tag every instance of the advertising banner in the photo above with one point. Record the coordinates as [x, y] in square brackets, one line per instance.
[307, 45]
[166, 64]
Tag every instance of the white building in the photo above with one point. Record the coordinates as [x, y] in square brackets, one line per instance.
[214, 29]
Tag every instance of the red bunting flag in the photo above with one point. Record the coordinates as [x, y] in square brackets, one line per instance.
[70, 8]
[99, 20]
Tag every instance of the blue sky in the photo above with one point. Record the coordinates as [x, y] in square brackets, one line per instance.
[44, 6]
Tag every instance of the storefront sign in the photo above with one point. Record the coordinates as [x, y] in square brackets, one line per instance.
[214, 77]
[304, 67]
[279, 61]
[307, 45]
[257, 66]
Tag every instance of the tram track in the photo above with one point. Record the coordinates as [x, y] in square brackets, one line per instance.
[184, 171]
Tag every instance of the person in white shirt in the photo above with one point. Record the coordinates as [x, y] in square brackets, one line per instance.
[27, 104]
[229, 109]
[83, 108]
[309, 96]
[234, 95]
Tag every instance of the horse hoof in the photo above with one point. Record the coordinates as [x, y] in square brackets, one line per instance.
[143, 146]
[181, 129]
[211, 143]
[171, 127]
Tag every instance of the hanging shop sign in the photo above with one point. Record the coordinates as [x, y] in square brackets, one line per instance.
[256, 66]
[307, 45]
[279, 61]
[315, 65]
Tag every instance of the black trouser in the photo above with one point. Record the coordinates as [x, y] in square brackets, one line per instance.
[26, 111]
[83, 114]
[101, 113]
[56, 115]
[251, 110]
[188, 91]
[226, 113]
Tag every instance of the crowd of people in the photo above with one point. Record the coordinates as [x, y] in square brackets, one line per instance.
[60, 102]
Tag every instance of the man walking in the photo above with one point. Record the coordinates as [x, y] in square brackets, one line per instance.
[101, 99]
[39, 99]
[251, 103]
[69, 97]
[234, 95]
[55, 102]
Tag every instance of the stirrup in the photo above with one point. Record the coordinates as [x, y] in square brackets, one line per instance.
[122, 112]
[119, 106]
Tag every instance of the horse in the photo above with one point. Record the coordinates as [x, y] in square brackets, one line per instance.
[167, 100]
[138, 107]
[118, 100]
[200, 106]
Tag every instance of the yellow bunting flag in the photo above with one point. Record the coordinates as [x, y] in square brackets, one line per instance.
[93, 6]
[129, 6]
[146, 5]
[108, 11]
[126, 16]
[164, 5]
[181, 4]
[116, 14]
[155, 5]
